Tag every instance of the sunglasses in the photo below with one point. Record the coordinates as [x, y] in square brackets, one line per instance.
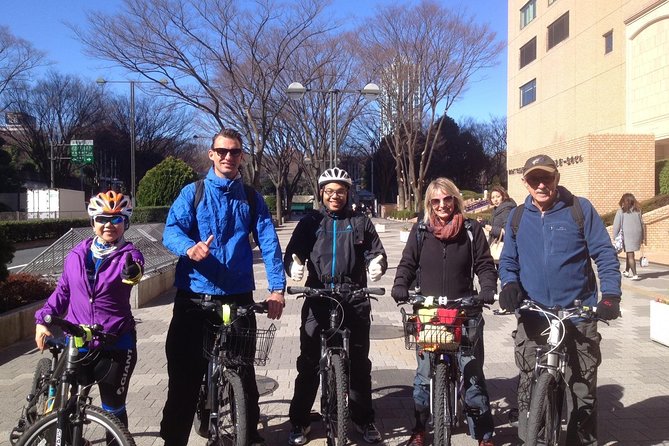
[104, 219]
[223, 152]
[436, 202]
[535, 180]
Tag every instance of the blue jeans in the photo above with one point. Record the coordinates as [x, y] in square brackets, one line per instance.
[470, 363]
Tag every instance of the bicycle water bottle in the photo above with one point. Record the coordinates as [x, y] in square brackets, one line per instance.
[51, 398]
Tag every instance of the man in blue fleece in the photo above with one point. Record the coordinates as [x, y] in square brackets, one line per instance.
[547, 258]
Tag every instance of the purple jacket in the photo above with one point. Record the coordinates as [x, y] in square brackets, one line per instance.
[107, 304]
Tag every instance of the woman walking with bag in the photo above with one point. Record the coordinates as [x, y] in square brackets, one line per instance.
[502, 206]
[628, 218]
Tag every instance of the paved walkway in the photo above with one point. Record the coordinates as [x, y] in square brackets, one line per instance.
[633, 384]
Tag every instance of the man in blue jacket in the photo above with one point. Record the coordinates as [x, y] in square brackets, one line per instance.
[546, 258]
[211, 238]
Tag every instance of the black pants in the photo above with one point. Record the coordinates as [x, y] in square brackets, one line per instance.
[315, 318]
[112, 370]
[186, 367]
[584, 356]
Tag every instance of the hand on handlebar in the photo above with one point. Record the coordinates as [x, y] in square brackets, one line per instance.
[511, 297]
[400, 294]
[275, 304]
[41, 333]
[487, 296]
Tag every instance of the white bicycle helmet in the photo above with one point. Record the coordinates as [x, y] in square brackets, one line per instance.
[335, 175]
[110, 203]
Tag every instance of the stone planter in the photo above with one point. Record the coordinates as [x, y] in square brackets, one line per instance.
[659, 322]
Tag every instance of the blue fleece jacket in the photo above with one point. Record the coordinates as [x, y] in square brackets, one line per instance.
[549, 256]
[223, 212]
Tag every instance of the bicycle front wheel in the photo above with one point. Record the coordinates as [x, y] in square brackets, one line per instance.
[99, 427]
[232, 423]
[443, 405]
[335, 412]
[543, 424]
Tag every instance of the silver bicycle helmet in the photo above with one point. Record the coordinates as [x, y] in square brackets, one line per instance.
[335, 175]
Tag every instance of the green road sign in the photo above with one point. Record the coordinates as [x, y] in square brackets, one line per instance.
[81, 151]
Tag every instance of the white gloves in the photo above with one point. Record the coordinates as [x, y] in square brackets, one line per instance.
[374, 269]
[296, 269]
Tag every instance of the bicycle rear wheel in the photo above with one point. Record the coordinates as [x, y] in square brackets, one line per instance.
[99, 427]
[543, 424]
[443, 405]
[335, 402]
[232, 423]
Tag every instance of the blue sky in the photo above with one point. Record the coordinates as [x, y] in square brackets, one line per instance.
[42, 22]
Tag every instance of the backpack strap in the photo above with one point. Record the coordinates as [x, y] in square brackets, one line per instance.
[468, 227]
[515, 220]
[421, 229]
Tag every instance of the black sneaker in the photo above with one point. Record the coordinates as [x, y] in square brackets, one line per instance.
[299, 435]
[369, 432]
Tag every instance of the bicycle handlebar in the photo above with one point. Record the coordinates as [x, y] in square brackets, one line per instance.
[578, 310]
[472, 301]
[337, 291]
[74, 329]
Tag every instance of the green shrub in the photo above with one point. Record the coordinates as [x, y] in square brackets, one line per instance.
[271, 203]
[662, 177]
[161, 185]
[23, 231]
[468, 194]
[405, 214]
[22, 289]
[150, 214]
[6, 253]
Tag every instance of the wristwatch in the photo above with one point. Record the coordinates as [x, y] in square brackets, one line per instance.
[277, 291]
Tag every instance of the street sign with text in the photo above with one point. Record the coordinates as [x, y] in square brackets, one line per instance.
[82, 151]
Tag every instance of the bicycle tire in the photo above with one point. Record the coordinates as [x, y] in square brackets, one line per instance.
[202, 412]
[543, 424]
[36, 406]
[336, 402]
[443, 405]
[99, 427]
[232, 410]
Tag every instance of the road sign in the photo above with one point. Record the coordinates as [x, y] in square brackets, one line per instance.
[81, 151]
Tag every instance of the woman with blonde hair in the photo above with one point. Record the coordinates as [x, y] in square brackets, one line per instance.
[628, 218]
[452, 251]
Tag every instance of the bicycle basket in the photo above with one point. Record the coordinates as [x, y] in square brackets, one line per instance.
[237, 345]
[444, 331]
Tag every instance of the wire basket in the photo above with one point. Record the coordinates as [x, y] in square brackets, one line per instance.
[236, 345]
[458, 334]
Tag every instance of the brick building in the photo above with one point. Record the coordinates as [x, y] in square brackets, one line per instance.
[588, 84]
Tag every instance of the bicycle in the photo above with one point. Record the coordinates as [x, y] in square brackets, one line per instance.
[333, 366]
[42, 397]
[441, 326]
[221, 407]
[73, 420]
[547, 393]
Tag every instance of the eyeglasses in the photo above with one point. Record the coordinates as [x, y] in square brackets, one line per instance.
[104, 219]
[341, 193]
[223, 152]
[535, 180]
[436, 202]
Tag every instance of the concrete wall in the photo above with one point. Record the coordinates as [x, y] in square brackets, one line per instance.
[19, 324]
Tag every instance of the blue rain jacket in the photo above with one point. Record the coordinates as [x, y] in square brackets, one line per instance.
[224, 212]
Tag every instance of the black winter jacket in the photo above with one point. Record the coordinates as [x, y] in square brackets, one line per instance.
[338, 246]
[500, 215]
[446, 266]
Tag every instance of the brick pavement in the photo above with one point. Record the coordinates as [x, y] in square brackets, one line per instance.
[633, 389]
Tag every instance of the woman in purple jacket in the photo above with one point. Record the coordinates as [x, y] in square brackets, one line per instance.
[95, 289]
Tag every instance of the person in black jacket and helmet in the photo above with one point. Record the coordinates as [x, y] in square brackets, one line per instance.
[337, 245]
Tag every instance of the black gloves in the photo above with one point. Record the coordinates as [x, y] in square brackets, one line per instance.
[487, 296]
[400, 294]
[511, 297]
[609, 307]
[131, 272]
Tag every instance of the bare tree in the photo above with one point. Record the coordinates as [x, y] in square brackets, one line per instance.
[492, 135]
[426, 56]
[224, 58]
[56, 110]
[17, 59]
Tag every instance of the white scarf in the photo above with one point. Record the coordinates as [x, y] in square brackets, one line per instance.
[102, 249]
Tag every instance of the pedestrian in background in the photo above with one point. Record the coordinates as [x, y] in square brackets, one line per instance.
[628, 218]
[502, 206]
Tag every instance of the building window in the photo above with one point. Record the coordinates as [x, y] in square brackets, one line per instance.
[528, 13]
[558, 30]
[608, 42]
[528, 93]
[528, 52]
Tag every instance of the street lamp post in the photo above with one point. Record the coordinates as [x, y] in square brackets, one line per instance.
[296, 91]
[132, 83]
